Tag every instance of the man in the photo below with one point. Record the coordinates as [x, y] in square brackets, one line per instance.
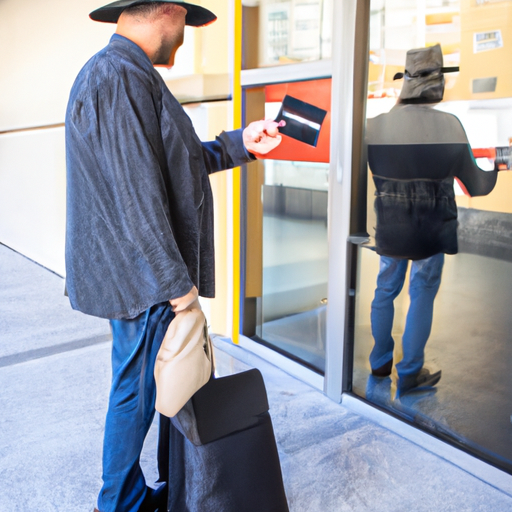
[414, 153]
[139, 236]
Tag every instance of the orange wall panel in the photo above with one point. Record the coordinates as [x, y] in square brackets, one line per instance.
[317, 93]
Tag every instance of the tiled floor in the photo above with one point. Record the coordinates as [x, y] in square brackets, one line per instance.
[53, 405]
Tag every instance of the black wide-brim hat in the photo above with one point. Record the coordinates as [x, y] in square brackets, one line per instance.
[424, 74]
[197, 16]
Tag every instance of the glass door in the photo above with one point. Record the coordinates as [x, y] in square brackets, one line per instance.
[469, 340]
[286, 52]
[286, 231]
[294, 295]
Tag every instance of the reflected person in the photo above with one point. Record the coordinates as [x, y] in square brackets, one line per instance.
[139, 232]
[414, 154]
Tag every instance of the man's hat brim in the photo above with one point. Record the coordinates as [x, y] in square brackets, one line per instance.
[197, 16]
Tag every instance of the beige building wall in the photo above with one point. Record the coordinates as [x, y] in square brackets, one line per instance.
[33, 195]
[44, 45]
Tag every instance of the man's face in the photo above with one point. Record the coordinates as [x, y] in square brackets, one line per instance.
[172, 34]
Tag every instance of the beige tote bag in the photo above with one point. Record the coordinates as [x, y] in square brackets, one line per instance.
[184, 362]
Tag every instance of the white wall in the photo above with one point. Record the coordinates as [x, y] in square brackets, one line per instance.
[32, 195]
[44, 45]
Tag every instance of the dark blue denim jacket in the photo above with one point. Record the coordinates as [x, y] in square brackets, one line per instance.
[415, 152]
[139, 227]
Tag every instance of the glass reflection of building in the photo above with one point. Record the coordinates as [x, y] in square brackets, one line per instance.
[295, 230]
[471, 317]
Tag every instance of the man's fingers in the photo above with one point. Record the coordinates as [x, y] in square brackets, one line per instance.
[180, 303]
[272, 128]
[258, 129]
[255, 136]
[260, 137]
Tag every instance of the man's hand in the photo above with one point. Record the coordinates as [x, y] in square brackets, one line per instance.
[261, 137]
[188, 301]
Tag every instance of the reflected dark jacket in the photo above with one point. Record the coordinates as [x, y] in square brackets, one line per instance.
[139, 225]
[414, 153]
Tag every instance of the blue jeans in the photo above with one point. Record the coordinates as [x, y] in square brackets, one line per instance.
[424, 283]
[131, 407]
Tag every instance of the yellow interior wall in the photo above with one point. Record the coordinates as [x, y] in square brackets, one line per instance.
[499, 200]
[255, 109]
[212, 59]
[212, 42]
[217, 120]
[254, 253]
[208, 47]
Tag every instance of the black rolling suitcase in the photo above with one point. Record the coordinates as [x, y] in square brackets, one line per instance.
[222, 454]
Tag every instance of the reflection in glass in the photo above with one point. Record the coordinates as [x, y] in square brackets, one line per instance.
[286, 260]
[470, 337]
[286, 31]
[469, 341]
[293, 302]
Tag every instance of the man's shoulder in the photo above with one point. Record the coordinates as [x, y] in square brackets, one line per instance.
[108, 68]
[99, 65]
[411, 123]
[424, 110]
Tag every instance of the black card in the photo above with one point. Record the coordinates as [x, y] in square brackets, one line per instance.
[303, 120]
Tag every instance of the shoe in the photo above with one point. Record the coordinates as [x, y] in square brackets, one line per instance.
[384, 370]
[378, 390]
[418, 382]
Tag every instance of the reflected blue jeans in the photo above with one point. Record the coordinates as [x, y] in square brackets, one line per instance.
[131, 407]
[424, 283]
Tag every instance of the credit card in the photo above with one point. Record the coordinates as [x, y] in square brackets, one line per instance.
[303, 120]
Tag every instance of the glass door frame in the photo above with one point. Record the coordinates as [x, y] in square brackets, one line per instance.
[347, 228]
[347, 68]
[350, 55]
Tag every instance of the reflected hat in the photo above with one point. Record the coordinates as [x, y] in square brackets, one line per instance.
[424, 74]
[197, 16]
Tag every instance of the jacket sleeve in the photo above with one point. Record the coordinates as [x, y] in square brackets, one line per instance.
[473, 180]
[128, 124]
[225, 152]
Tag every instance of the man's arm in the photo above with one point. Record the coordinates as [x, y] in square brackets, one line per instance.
[225, 152]
[238, 147]
[473, 180]
[129, 126]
